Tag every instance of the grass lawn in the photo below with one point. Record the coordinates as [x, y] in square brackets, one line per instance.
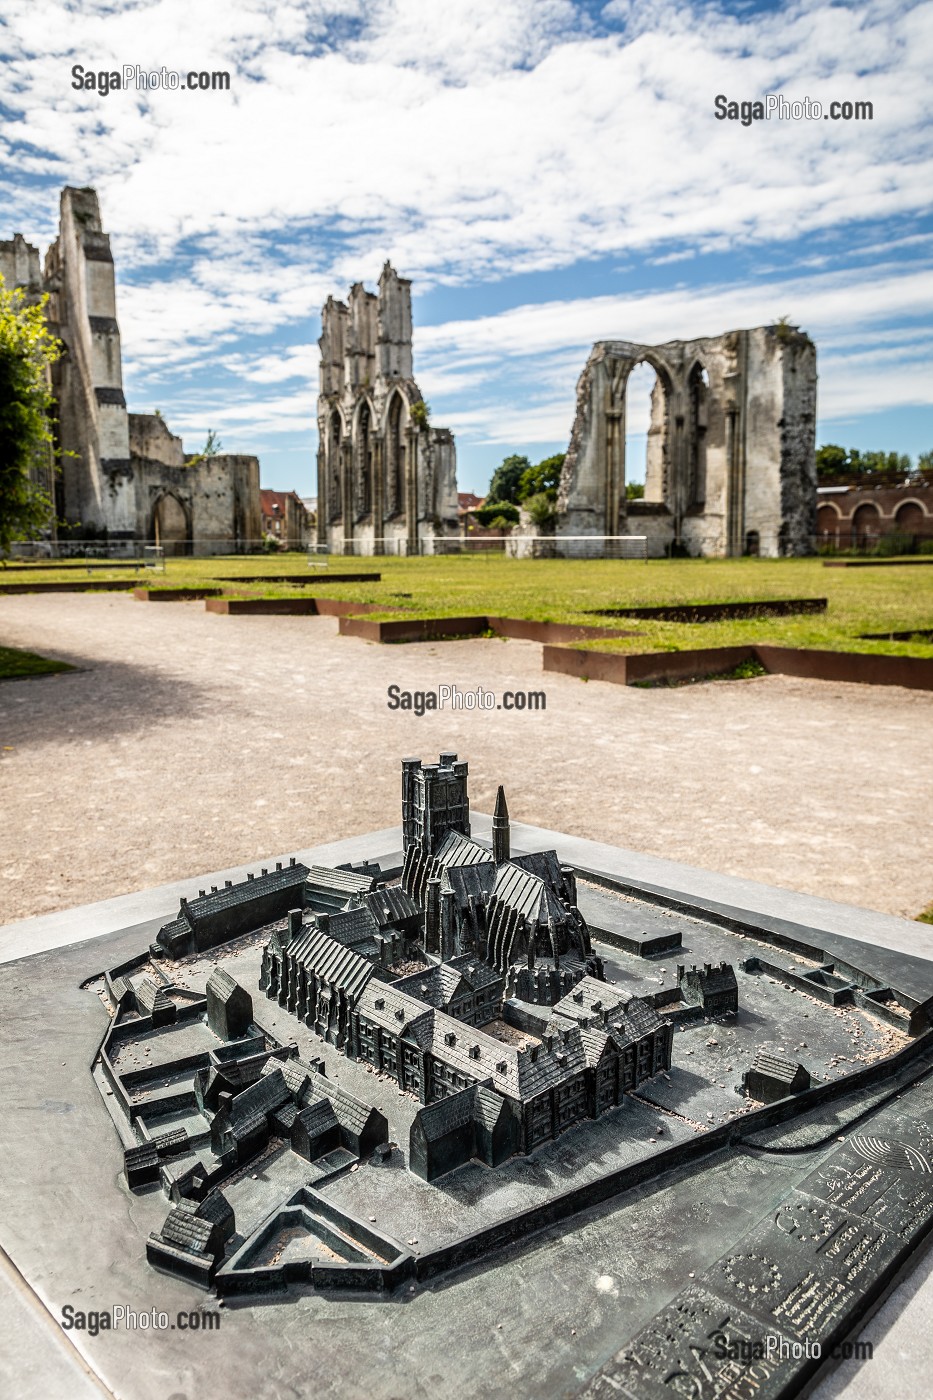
[17, 665]
[568, 590]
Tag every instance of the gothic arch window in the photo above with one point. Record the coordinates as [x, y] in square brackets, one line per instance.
[647, 429]
[395, 457]
[171, 525]
[363, 462]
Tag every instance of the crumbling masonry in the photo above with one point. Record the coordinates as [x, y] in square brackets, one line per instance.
[730, 459]
[387, 480]
[124, 476]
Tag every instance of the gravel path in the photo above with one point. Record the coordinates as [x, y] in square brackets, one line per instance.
[190, 741]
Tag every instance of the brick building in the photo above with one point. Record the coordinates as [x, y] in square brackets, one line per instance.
[856, 517]
[285, 518]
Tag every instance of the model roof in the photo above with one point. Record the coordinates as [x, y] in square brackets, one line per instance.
[785, 1071]
[251, 1107]
[350, 882]
[395, 1010]
[389, 904]
[352, 925]
[544, 864]
[330, 961]
[457, 849]
[438, 986]
[447, 1115]
[223, 985]
[351, 1113]
[187, 1231]
[317, 1117]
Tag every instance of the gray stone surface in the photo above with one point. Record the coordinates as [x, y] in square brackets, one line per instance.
[538, 1321]
[730, 466]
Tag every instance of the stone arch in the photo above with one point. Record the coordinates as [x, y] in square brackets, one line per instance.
[866, 523]
[828, 518]
[362, 458]
[911, 518]
[658, 483]
[170, 524]
[396, 422]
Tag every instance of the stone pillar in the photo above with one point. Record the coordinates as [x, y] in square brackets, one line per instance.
[411, 487]
[432, 916]
[378, 490]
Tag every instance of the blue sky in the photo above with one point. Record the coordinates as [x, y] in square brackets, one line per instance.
[548, 173]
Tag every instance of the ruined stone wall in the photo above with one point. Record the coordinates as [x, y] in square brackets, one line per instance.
[386, 479]
[211, 505]
[730, 457]
[121, 472]
[20, 267]
[798, 444]
[88, 379]
[151, 439]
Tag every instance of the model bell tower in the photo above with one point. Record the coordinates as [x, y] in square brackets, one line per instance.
[434, 801]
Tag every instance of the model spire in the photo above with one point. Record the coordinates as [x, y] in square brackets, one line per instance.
[500, 829]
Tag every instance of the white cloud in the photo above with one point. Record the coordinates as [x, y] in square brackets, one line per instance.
[472, 141]
[474, 138]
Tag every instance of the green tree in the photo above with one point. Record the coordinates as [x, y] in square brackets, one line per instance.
[834, 463]
[505, 479]
[542, 479]
[497, 515]
[27, 349]
[831, 461]
[634, 490]
[212, 447]
[542, 509]
[421, 413]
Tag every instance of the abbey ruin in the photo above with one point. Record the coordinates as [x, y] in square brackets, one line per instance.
[730, 466]
[730, 457]
[387, 479]
[124, 477]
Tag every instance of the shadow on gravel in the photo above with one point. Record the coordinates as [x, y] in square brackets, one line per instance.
[95, 701]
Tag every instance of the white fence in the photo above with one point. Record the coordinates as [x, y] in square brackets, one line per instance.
[521, 546]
